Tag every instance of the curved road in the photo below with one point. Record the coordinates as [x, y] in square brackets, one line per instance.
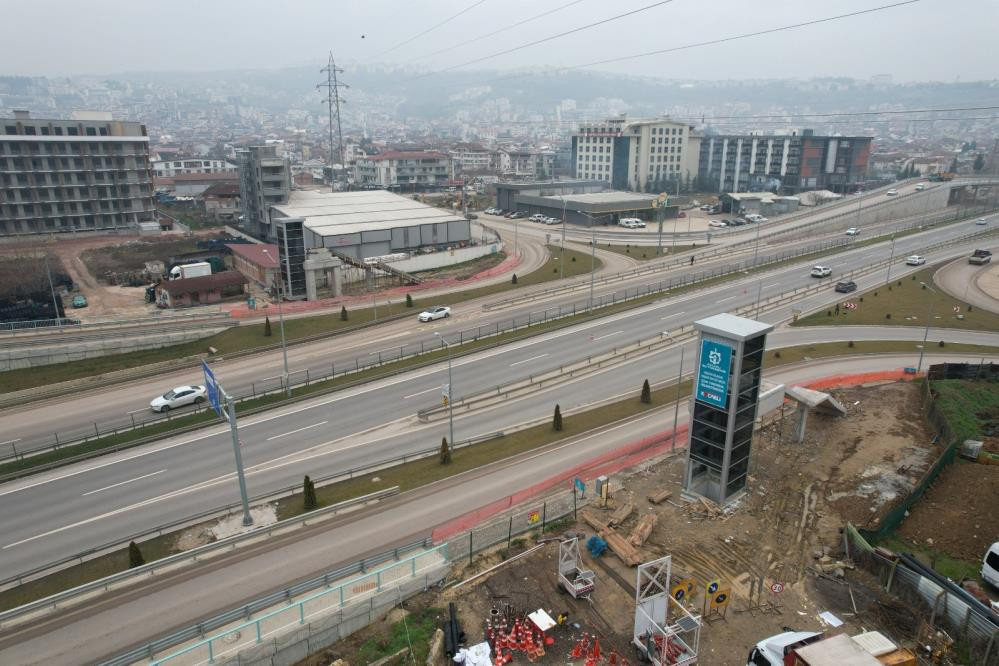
[961, 280]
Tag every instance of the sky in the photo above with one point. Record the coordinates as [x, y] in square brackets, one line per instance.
[940, 40]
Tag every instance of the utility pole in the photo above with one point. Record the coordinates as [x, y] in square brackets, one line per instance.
[676, 407]
[332, 101]
[55, 303]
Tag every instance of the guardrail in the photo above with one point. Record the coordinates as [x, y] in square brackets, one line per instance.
[87, 591]
[52, 326]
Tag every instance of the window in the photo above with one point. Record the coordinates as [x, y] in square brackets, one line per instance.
[10, 129]
[45, 131]
[104, 131]
[29, 130]
[72, 131]
[91, 131]
[58, 131]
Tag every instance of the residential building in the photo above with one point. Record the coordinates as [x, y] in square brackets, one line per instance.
[264, 181]
[527, 164]
[170, 168]
[470, 158]
[86, 173]
[404, 170]
[221, 202]
[789, 163]
[636, 154]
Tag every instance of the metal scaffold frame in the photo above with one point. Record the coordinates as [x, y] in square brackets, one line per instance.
[655, 638]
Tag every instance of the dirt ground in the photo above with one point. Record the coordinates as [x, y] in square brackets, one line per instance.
[786, 530]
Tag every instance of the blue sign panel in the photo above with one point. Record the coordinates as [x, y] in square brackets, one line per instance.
[713, 373]
[212, 388]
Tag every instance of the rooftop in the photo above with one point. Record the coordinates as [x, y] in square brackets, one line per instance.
[222, 190]
[202, 283]
[206, 177]
[593, 202]
[730, 326]
[406, 155]
[262, 254]
[336, 213]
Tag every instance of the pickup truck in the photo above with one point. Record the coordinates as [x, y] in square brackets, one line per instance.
[979, 257]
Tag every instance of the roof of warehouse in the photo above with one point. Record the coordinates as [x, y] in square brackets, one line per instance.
[202, 282]
[336, 213]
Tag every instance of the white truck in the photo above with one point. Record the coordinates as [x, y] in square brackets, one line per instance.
[184, 271]
[811, 648]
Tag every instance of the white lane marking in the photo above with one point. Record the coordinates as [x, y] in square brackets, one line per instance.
[413, 395]
[267, 379]
[11, 441]
[767, 286]
[115, 485]
[722, 300]
[292, 432]
[136, 411]
[608, 335]
[675, 314]
[528, 360]
[379, 351]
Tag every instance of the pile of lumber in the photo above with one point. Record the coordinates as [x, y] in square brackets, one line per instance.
[660, 496]
[617, 543]
[621, 514]
[642, 530]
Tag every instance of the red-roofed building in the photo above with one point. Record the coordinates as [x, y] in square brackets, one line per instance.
[404, 170]
[257, 261]
[199, 290]
[222, 201]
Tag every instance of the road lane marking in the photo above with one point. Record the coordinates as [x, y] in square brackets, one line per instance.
[136, 411]
[413, 395]
[379, 351]
[292, 432]
[675, 314]
[722, 300]
[767, 286]
[115, 485]
[11, 441]
[607, 336]
[528, 360]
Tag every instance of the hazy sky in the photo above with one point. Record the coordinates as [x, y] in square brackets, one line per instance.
[931, 39]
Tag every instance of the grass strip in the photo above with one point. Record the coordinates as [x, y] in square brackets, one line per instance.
[414, 474]
[251, 336]
[647, 252]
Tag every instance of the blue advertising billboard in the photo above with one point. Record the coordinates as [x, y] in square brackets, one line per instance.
[212, 389]
[713, 373]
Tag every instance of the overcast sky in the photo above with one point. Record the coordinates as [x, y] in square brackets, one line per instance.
[929, 40]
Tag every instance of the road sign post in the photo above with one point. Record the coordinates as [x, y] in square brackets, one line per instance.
[216, 397]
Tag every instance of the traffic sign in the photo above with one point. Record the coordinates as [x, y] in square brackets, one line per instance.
[850, 306]
[213, 391]
[711, 587]
[957, 309]
[777, 588]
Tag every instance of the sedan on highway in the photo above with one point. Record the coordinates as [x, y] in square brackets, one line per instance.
[846, 286]
[982, 222]
[915, 260]
[892, 193]
[437, 312]
[717, 223]
[178, 397]
[853, 231]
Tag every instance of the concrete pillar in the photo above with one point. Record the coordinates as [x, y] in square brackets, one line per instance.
[320, 260]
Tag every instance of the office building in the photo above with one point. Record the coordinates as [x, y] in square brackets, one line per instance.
[636, 154]
[788, 163]
[264, 181]
[404, 170]
[87, 173]
[170, 168]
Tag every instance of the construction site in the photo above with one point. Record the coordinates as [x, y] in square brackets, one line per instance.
[637, 571]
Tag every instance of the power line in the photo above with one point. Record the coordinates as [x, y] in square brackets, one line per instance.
[496, 32]
[557, 36]
[432, 28]
[333, 85]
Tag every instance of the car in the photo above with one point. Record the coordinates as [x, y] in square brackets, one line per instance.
[631, 223]
[892, 193]
[846, 286]
[738, 222]
[981, 222]
[436, 312]
[552, 220]
[471, 216]
[853, 231]
[920, 187]
[492, 211]
[518, 215]
[79, 301]
[915, 260]
[821, 271]
[681, 214]
[717, 223]
[178, 397]
[537, 217]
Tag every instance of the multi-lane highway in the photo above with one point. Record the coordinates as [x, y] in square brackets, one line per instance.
[84, 505]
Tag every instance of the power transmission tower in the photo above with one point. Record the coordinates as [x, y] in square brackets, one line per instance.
[332, 102]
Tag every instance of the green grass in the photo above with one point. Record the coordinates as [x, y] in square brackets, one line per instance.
[904, 302]
[250, 336]
[416, 630]
[647, 252]
[969, 406]
[826, 349]
[940, 561]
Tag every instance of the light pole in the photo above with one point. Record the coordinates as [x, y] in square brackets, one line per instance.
[593, 250]
[676, 407]
[450, 389]
[561, 257]
[284, 345]
[891, 256]
[926, 333]
[756, 249]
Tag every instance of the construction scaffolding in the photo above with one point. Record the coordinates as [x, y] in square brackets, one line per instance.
[656, 637]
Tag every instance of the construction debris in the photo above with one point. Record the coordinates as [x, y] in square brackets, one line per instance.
[660, 496]
[642, 530]
[618, 544]
[621, 514]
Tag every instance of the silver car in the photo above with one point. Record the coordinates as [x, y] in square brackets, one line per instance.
[437, 312]
[178, 397]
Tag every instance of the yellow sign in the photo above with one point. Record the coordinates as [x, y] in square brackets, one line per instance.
[720, 598]
[683, 589]
[534, 517]
[711, 588]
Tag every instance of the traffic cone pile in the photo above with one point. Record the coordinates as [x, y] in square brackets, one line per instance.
[521, 637]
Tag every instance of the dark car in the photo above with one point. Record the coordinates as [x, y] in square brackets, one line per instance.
[846, 286]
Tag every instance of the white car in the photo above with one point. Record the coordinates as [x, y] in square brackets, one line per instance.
[537, 217]
[552, 220]
[436, 312]
[821, 271]
[178, 397]
[892, 193]
[717, 223]
[853, 231]
[920, 187]
[631, 223]
[982, 222]
[915, 260]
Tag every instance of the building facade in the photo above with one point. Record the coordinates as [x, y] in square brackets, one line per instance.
[470, 158]
[526, 164]
[636, 154]
[170, 168]
[404, 170]
[87, 173]
[789, 163]
[264, 181]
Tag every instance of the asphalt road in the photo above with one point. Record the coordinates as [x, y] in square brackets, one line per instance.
[124, 619]
[77, 507]
[959, 279]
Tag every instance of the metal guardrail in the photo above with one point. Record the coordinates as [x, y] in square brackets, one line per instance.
[83, 592]
[51, 325]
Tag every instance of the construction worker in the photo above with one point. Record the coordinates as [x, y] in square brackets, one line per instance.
[691, 260]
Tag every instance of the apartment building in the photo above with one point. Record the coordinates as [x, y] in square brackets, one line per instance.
[405, 170]
[635, 154]
[86, 173]
[526, 164]
[469, 158]
[790, 162]
[171, 168]
[264, 181]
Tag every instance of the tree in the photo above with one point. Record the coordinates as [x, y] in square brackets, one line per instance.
[343, 313]
[557, 419]
[267, 327]
[513, 280]
[409, 300]
[646, 393]
[135, 558]
[445, 452]
[979, 163]
[309, 499]
[953, 165]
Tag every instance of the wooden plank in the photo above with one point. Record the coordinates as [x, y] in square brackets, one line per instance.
[620, 546]
[590, 519]
[621, 514]
[660, 496]
[642, 530]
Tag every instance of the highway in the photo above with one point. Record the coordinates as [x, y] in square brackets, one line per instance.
[73, 508]
[960, 279]
[125, 619]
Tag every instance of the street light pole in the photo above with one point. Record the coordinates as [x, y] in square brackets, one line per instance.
[231, 411]
[891, 257]
[284, 345]
[561, 258]
[676, 408]
[450, 389]
[926, 332]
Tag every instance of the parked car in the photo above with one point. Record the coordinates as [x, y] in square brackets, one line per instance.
[178, 397]
[517, 215]
[552, 220]
[981, 222]
[717, 223]
[990, 565]
[915, 260]
[631, 223]
[920, 187]
[492, 211]
[471, 216]
[821, 271]
[853, 231]
[892, 193]
[846, 286]
[436, 312]
[681, 214]
[79, 301]
[537, 217]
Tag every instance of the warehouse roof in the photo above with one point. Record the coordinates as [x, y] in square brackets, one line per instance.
[593, 202]
[262, 254]
[203, 283]
[335, 213]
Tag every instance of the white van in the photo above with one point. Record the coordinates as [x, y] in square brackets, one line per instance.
[630, 223]
[990, 565]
